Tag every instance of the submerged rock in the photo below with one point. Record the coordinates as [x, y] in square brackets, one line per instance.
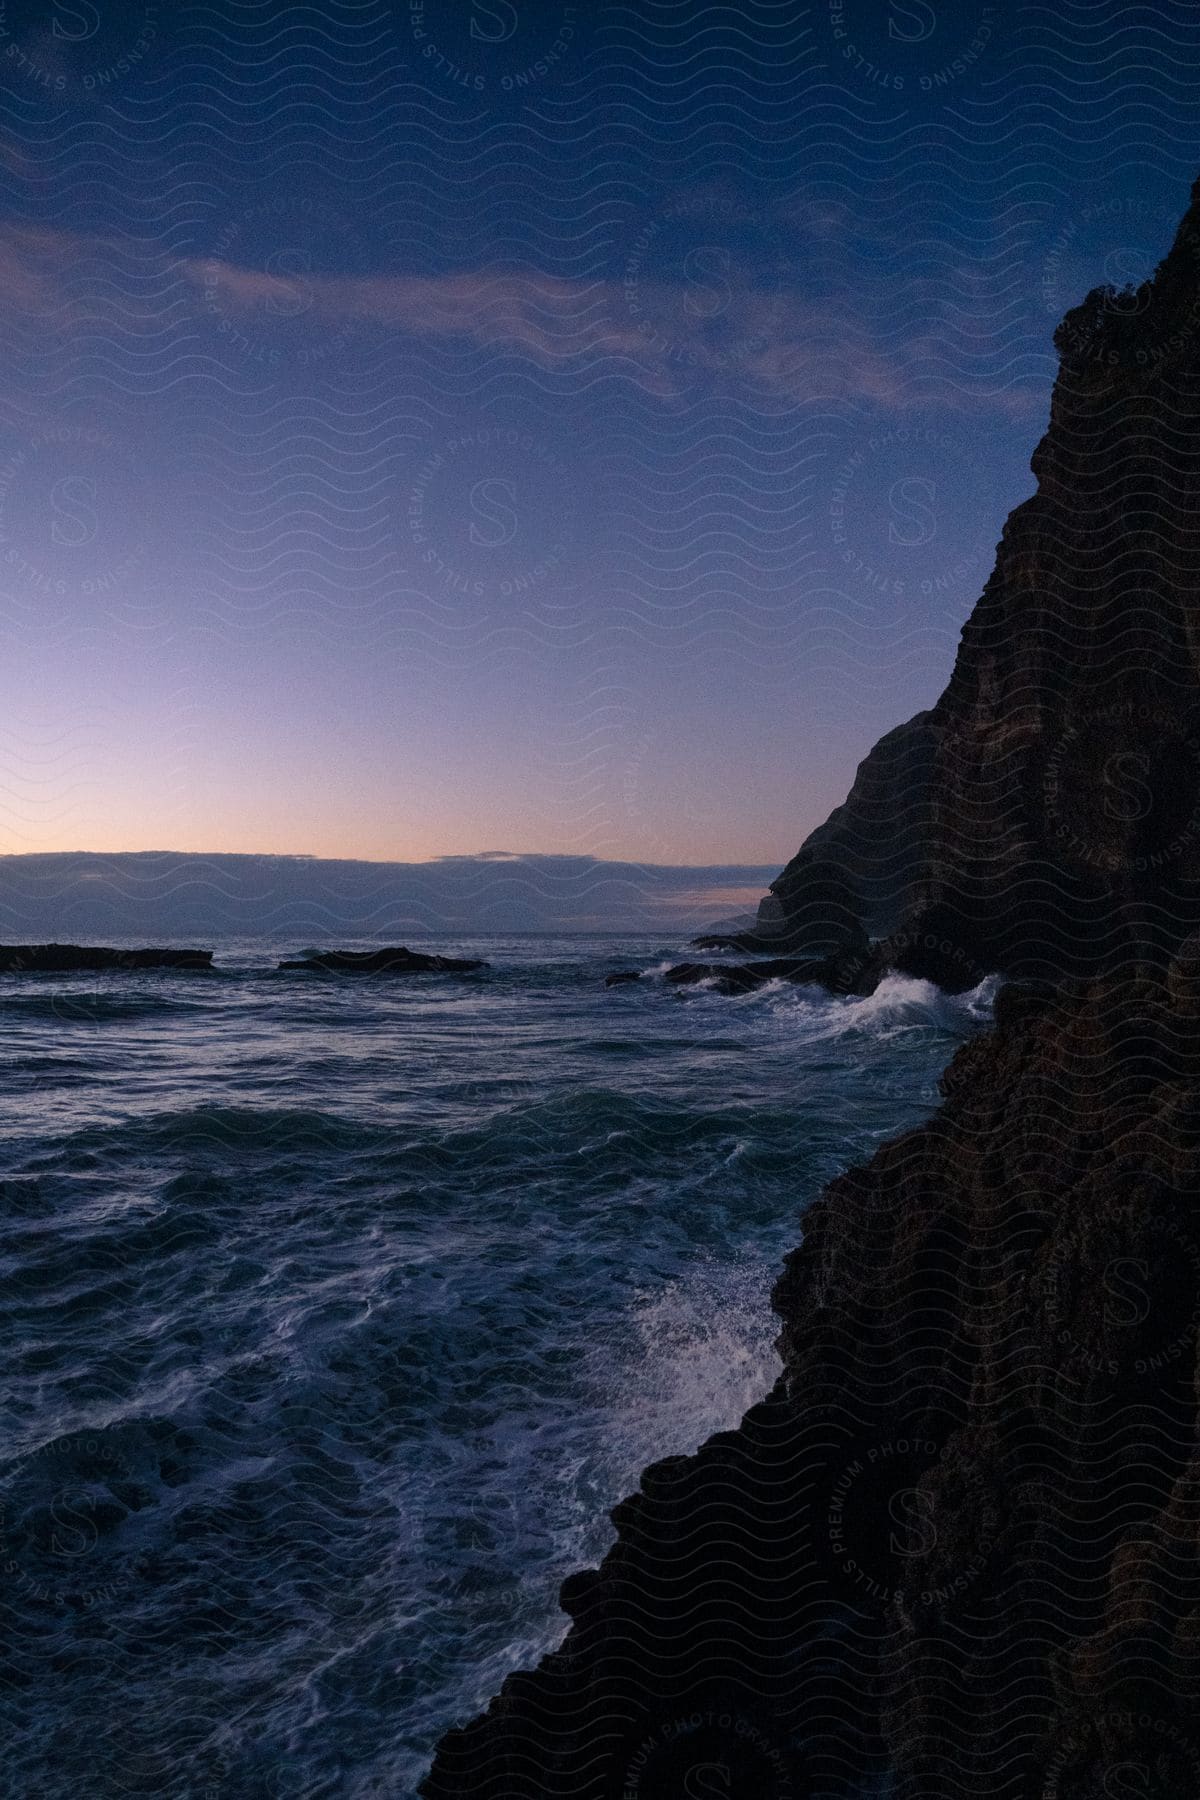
[400, 961]
[622, 977]
[66, 959]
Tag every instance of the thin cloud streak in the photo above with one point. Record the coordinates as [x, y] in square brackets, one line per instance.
[783, 346]
[770, 344]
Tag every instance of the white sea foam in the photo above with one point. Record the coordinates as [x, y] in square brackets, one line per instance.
[690, 1358]
[398, 1295]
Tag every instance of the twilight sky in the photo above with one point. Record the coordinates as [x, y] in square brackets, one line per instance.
[431, 427]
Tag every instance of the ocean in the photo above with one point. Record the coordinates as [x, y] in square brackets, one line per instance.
[337, 1313]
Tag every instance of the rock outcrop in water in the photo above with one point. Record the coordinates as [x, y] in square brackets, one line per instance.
[70, 959]
[400, 961]
[958, 1546]
[927, 953]
[847, 973]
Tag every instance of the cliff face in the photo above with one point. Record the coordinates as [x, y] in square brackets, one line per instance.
[856, 874]
[959, 1540]
[1049, 806]
[957, 1549]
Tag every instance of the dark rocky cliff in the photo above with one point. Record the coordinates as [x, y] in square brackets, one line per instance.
[959, 1539]
[856, 874]
[958, 1546]
[1049, 805]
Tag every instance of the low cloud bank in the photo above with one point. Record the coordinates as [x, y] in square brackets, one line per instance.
[73, 894]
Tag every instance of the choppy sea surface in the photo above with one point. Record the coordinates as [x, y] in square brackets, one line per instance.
[336, 1313]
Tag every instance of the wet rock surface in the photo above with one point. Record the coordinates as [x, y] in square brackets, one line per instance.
[400, 961]
[65, 959]
[846, 974]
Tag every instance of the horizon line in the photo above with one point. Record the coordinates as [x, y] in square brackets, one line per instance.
[409, 862]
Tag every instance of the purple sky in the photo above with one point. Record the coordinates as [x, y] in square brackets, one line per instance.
[435, 429]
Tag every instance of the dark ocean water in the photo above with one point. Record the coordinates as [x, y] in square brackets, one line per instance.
[336, 1314]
